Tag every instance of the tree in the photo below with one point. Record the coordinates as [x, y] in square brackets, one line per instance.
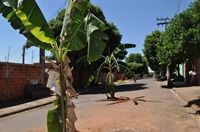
[137, 63]
[110, 29]
[181, 41]
[111, 63]
[77, 32]
[151, 44]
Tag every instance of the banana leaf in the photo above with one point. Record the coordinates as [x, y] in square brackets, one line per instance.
[26, 16]
[79, 31]
[122, 47]
[54, 120]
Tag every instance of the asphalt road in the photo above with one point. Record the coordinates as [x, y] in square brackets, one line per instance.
[151, 109]
[28, 121]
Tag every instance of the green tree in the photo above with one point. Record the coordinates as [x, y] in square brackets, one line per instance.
[110, 29]
[151, 44]
[181, 41]
[77, 32]
[137, 63]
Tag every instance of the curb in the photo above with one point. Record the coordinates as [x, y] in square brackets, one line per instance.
[27, 106]
[30, 105]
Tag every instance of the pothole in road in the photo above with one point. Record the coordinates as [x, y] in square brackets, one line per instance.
[116, 100]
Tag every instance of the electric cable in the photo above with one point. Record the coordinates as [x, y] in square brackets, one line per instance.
[54, 14]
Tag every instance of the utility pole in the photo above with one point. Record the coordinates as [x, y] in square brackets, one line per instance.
[165, 21]
[6, 79]
[23, 55]
[42, 62]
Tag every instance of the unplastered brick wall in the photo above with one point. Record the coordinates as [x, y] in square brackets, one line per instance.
[12, 84]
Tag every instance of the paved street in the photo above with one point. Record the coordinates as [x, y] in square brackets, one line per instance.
[29, 121]
[151, 108]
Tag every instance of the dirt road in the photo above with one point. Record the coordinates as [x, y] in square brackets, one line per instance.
[150, 109]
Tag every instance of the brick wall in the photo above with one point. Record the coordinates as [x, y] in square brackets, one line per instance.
[18, 76]
[21, 74]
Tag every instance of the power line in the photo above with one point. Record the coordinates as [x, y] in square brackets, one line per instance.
[54, 14]
[15, 52]
[172, 7]
[157, 7]
[179, 5]
[186, 3]
[12, 54]
[164, 8]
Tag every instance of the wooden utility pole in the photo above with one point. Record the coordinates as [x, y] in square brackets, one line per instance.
[6, 79]
[42, 62]
[23, 55]
[165, 21]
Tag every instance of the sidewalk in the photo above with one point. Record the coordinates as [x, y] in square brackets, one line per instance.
[190, 96]
[19, 105]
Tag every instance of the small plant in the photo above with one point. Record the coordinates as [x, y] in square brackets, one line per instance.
[111, 63]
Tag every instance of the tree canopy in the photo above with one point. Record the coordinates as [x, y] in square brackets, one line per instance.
[111, 30]
[180, 41]
[151, 44]
[181, 38]
[137, 63]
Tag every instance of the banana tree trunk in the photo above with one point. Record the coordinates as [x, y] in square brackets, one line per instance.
[110, 87]
[63, 117]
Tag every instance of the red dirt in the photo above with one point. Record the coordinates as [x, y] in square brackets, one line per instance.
[118, 99]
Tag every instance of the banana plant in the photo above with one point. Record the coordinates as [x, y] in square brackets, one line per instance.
[111, 63]
[78, 31]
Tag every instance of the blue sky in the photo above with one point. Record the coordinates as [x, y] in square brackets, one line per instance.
[134, 18]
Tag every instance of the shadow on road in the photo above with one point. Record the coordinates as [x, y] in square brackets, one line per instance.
[141, 99]
[15, 102]
[100, 89]
[173, 86]
[194, 102]
[166, 87]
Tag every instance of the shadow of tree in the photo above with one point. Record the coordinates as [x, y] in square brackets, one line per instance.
[173, 86]
[140, 99]
[198, 112]
[100, 88]
[166, 87]
[194, 102]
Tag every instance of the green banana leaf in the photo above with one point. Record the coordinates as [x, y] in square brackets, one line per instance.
[26, 16]
[54, 120]
[122, 47]
[79, 31]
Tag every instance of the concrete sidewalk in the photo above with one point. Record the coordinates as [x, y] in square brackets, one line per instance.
[16, 106]
[190, 96]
